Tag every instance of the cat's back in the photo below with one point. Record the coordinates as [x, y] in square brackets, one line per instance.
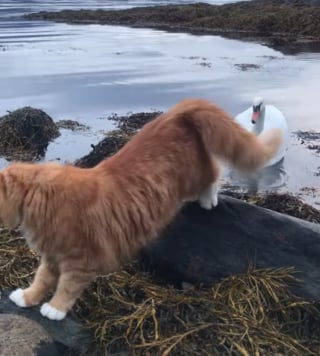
[165, 139]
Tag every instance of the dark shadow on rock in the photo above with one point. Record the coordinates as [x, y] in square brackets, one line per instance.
[26, 133]
[202, 247]
[47, 349]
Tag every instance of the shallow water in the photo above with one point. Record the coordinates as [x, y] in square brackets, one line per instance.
[88, 72]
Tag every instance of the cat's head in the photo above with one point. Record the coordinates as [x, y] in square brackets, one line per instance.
[12, 193]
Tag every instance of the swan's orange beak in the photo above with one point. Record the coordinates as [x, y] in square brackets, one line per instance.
[255, 116]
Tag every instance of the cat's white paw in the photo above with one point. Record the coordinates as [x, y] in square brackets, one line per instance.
[208, 202]
[205, 203]
[214, 200]
[17, 297]
[51, 313]
[209, 199]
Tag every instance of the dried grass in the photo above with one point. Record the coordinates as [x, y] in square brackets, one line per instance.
[251, 314]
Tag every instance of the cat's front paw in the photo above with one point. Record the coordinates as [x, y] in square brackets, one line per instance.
[51, 313]
[208, 202]
[17, 297]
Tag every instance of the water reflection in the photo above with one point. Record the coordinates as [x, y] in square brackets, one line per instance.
[269, 179]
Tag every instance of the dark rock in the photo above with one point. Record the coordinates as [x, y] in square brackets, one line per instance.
[25, 134]
[202, 247]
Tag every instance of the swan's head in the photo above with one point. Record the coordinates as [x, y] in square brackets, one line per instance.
[257, 109]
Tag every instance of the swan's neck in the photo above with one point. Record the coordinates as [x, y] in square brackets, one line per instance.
[259, 125]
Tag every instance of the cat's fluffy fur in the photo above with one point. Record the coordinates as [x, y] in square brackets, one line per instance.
[84, 222]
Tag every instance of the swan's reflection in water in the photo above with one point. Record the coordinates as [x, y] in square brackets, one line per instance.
[269, 179]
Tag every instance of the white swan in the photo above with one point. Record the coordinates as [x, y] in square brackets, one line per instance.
[260, 118]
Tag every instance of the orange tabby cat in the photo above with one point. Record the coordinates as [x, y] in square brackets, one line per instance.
[84, 222]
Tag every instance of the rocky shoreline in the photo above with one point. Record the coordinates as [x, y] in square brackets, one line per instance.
[289, 26]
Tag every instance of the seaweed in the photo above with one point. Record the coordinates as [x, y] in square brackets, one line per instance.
[25, 134]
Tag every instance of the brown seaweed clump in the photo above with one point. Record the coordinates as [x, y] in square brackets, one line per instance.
[312, 139]
[135, 121]
[25, 134]
[126, 127]
[113, 141]
[72, 125]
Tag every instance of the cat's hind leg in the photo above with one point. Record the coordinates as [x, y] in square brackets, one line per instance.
[70, 286]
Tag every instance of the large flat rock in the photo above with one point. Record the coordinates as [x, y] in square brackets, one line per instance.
[203, 246]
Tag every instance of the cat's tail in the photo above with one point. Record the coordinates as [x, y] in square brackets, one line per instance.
[223, 137]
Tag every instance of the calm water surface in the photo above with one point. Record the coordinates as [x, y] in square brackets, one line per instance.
[88, 72]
